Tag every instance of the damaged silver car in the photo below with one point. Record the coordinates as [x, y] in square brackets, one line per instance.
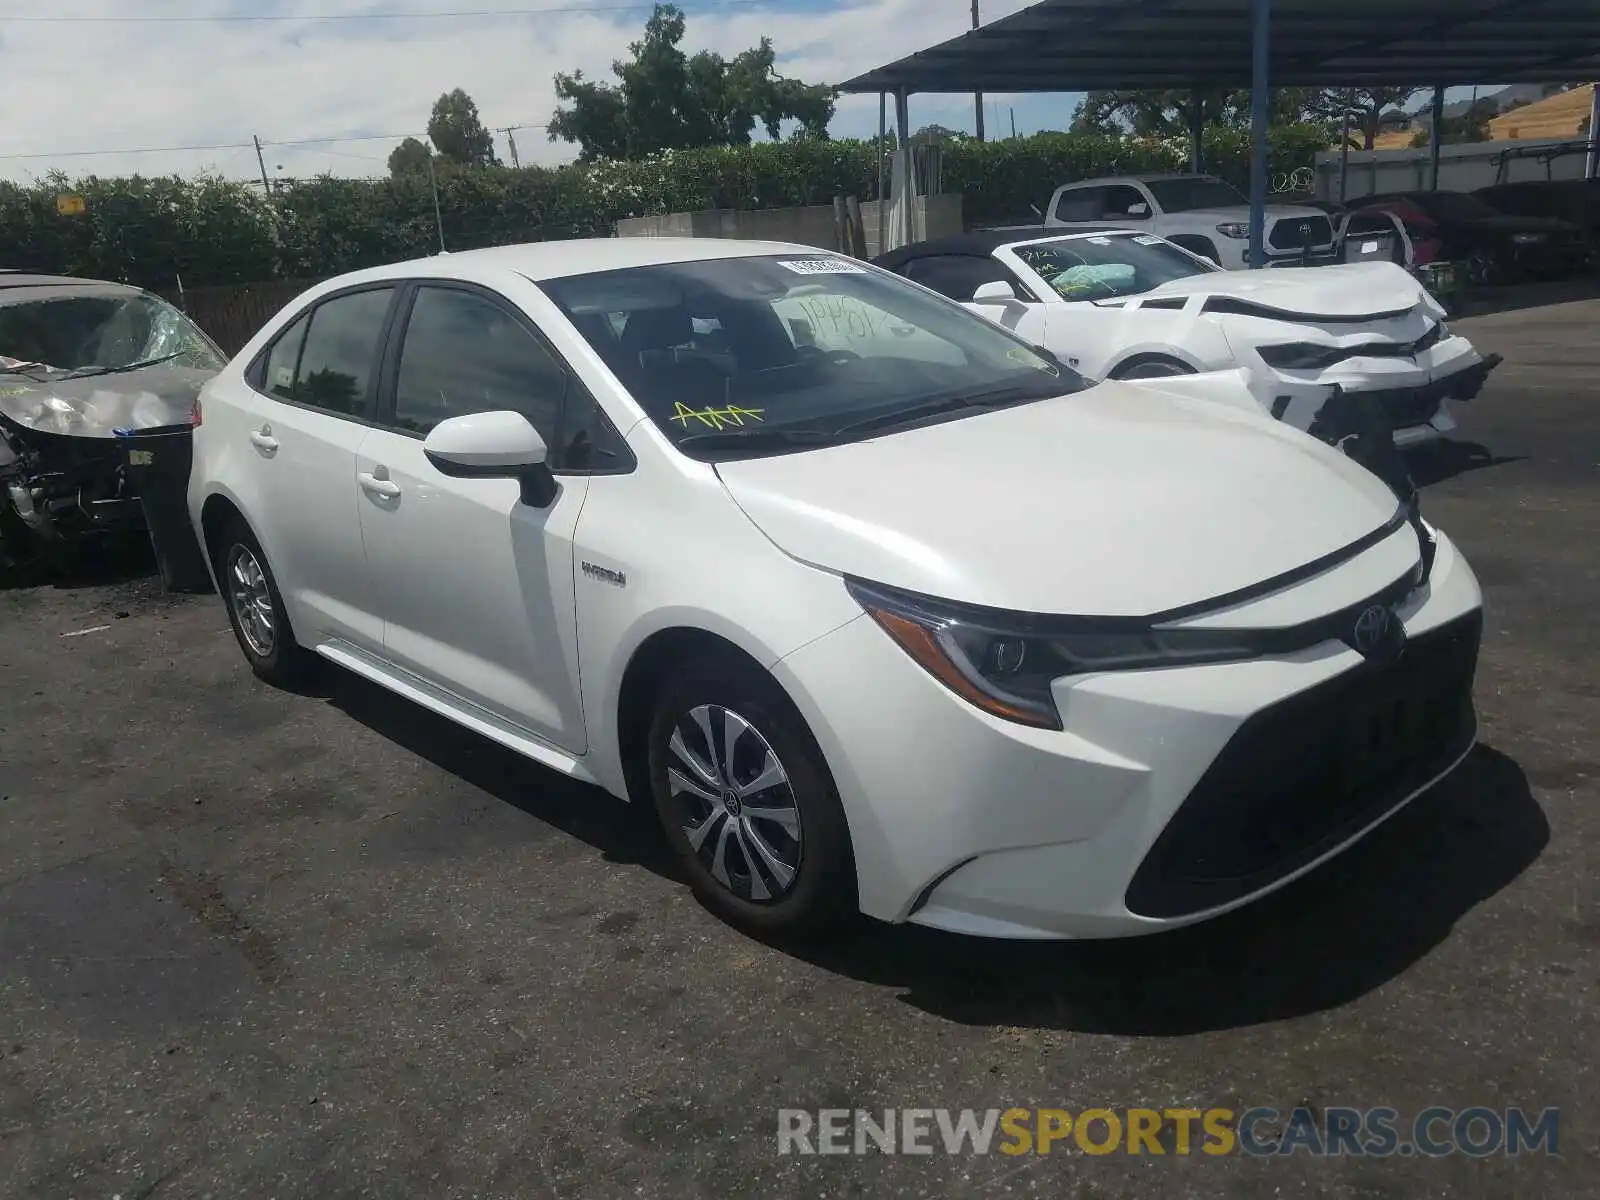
[82, 361]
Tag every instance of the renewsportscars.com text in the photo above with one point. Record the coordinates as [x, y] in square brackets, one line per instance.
[1380, 1132]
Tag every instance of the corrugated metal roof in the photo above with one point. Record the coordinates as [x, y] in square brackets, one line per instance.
[1075, 45]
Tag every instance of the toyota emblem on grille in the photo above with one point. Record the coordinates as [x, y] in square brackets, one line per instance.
[1378, 633]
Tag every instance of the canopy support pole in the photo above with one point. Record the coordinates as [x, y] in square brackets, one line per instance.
[1344, 156]
[1436, 138]
[1197, 128]
[1260, 44]
[902, 124]
[1593, 171]
[883, 168]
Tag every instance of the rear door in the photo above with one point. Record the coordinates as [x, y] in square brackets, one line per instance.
[477, 587]
[316, 388]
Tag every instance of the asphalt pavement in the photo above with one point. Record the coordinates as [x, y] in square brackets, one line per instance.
[257, 943]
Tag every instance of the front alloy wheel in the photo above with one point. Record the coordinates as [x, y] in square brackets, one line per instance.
[737, 806]
[746, 800]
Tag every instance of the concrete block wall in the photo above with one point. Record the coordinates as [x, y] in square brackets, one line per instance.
[937, 216]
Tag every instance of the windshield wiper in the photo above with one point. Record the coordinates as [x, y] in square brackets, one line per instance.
[93, 372]
[759, 438]
[994, 398]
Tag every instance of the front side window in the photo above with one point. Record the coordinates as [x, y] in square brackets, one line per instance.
[807, 346]
[1102, 268]
[339, 358]
[465, 354]
[1186, 195]
[92, 335]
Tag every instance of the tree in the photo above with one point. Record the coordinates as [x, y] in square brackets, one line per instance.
[1164, 113]
[457, 132]
[410, 157]
[1470, 126]
[667, 100]
[1368, 108]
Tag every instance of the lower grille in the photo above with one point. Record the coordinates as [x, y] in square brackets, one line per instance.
[1298, 778]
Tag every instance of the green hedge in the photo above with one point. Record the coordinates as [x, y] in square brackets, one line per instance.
[208, 231]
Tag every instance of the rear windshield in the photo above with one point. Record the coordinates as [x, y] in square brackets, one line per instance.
[99, 333]
[1183, 195]
[1457, 206]
[793, 343]
[1104, 267]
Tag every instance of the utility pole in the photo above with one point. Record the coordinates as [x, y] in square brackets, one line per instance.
[266, 188]
[433, 181]
[977, 97]
[1013, 123]
[512, 142]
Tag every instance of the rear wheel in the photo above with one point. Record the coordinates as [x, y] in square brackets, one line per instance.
[255, 609]
[746, 801]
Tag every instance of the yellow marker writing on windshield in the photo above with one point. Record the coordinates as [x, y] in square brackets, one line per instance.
[715, 418]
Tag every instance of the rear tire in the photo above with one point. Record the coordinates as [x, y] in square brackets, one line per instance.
[746, 801]
[255, 609]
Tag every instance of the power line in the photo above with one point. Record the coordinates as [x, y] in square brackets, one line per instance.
[306, 141]
[300, 18]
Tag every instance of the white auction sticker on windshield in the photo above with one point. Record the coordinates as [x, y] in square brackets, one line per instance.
[1100, 241]
[1147, 239]
[821, 266]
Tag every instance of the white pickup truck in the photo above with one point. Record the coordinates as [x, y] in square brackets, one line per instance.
[1203, 214]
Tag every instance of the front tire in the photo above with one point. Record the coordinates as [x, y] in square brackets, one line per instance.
[747, 803]
[256, 611]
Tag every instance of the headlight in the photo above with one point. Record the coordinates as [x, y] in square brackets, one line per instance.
[1527, 239]
[1005, 662]
[1234, 229]
[1302, 356]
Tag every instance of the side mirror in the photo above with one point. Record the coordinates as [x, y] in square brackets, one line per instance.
[997, 291]
[493, 445]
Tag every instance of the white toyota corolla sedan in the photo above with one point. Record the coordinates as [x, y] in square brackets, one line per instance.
[1117, 304]
[879, 607]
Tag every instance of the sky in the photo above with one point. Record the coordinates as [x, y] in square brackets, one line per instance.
[121, 75]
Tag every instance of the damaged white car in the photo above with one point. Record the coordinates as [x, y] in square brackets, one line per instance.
[1116, 304]
[82, 361]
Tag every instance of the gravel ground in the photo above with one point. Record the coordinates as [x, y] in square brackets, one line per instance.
[255, 943]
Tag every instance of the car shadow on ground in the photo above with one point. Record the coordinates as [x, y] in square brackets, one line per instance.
[1329, 938]
[110, 560]
[622, 833]
[1441, 461]
[1514, 297]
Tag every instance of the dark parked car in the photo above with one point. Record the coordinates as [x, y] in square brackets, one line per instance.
[80, 362]
[1496, 247]
[1575, 200]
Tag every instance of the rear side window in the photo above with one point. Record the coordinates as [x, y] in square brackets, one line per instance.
[465, 354]
[278, 376]
[1079, 204]
[339, 359]
[1125, 203]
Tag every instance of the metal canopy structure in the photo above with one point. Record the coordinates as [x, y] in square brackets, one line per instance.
[1076, 45]
[1204, 45]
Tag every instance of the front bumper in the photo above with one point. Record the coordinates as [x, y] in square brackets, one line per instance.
[1126, 822]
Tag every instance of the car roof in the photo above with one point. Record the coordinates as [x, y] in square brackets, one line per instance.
[984, 242]
[581, 256]
[1152, 177]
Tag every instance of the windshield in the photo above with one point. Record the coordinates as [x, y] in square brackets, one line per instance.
[1096, 268]
[1457, 206]
[100, 333]
[1184, 195]
[803, 347]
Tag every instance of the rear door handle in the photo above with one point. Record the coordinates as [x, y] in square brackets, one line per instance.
[372, 485]
[262, 439]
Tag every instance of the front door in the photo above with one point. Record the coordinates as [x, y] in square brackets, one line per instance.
[476, 587]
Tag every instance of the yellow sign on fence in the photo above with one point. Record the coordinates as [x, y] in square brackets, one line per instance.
[70, 205]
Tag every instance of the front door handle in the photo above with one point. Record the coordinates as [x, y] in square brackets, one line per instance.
[375, 486]
[263, 440]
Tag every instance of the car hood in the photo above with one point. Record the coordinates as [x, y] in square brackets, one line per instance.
[1351, 290]
[1120, 500]
[99, 405]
